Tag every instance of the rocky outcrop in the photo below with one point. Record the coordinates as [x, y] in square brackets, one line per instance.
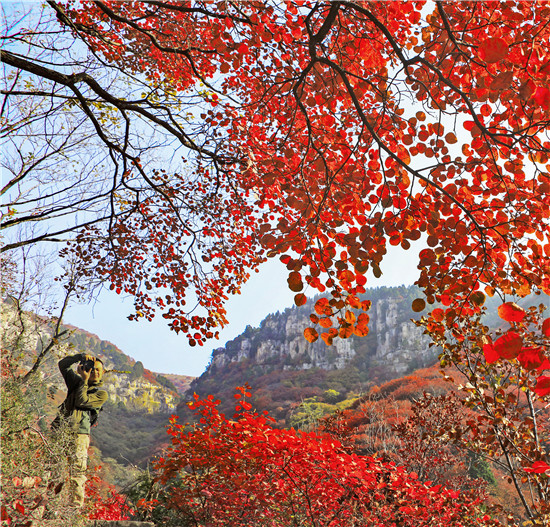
[399, 342]
[140, 394]
[394, 342]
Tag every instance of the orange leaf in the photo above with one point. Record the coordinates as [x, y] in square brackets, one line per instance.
[546, 327]
[527, 89]
[311, 335]
[353, 301]
[502, 80]
[362, 327]
[404, 155]
[361, 331]
[451, 138]
[542, 97]
[493, 49]
[418, 305]
[350, 317]
[478, 298]
[322, 307]
[327, 337]
[509, 345]
[438, 314]
[511, 312]
[485, 110]
[345, 332]
[300, 299]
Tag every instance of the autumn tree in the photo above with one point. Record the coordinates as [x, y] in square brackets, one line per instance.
[426, 443]
[358, 125]
[87, 150]
[415, 432]
[502, 375]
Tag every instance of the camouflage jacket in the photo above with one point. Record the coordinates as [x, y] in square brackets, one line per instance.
[83, 400]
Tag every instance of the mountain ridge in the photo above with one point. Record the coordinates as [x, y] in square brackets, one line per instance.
[284, 369]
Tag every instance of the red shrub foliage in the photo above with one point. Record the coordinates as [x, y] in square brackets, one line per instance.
[244, 471]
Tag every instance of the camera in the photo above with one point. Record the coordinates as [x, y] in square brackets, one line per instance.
[87, 365]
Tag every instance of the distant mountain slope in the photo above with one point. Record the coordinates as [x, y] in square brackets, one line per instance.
[283, 369]
[182, 383]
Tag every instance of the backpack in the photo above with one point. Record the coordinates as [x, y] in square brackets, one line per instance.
[63, 412]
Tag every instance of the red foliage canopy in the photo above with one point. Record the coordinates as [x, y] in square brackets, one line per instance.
[357, 125]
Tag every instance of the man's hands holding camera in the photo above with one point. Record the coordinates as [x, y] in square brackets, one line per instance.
[84, 369]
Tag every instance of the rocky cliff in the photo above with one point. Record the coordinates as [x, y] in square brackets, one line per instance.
[283, 369]
[394, 342]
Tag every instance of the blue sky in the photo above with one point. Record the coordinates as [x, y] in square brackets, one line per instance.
[162, 351]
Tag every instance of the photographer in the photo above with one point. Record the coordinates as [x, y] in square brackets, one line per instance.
[80, 409]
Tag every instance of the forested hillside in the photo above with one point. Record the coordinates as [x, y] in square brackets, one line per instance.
[417, 421]
[284, 370]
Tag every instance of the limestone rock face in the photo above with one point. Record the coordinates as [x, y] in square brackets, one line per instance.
[398, 341]
[140, 394]
[394, 341]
